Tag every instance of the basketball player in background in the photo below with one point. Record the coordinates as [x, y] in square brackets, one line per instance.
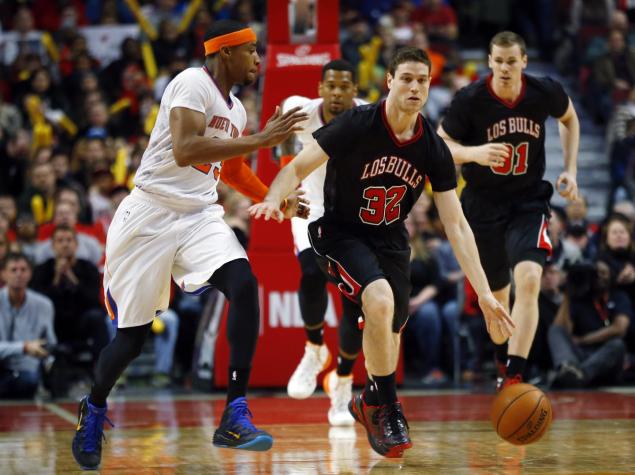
[171, 224]
[377, 157]
[495, 128]
[337, 90]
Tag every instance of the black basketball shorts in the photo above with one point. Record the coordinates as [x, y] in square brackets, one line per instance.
[509, 230]
[353, 261]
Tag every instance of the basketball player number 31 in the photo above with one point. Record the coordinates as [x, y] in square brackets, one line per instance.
[383, 204]
[516, 161]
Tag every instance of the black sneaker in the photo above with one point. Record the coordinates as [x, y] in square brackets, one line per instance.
[237, 432]
[386, 426]
[89, 434]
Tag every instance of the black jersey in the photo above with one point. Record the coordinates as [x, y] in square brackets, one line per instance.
[373, 179]
[477, 116]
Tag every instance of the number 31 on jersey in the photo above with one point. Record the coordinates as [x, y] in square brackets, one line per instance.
[516, 161]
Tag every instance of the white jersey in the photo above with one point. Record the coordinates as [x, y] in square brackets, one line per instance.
[313, 184]
[195, 186]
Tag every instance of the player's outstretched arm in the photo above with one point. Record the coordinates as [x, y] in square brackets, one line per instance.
[287, 180]
[499, 323]
[488, 155]
[569, 128]
[237, 174]
[190, 147]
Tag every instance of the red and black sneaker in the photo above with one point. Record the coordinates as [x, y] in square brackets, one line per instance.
[386, 426]
[502, 383]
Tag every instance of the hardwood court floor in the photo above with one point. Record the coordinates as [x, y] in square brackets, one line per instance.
[593, 432]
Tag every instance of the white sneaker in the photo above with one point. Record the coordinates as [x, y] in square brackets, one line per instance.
[304, 379]
[340, 391]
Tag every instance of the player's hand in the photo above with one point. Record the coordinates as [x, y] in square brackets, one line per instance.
[280, 126]
[498, 322]
[297, 206]
[266, 210]
[492, 154]
[567, 186]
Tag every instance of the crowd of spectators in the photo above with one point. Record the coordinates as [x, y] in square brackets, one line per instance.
[80, 84]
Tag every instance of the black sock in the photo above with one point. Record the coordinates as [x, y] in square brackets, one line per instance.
[501, 353]
[515, 365]
[386, 389]
[237, 383]
[315, 335]
[344, 365]
[370, 393]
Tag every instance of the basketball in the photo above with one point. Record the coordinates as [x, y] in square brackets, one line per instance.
[521, 414]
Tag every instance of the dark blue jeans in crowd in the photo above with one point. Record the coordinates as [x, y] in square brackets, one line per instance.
[18, 384]
[599, 363]
[427, 325]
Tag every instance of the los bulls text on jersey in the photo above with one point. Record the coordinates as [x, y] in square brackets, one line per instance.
[372, 179]
[313, 185]
[477, 116]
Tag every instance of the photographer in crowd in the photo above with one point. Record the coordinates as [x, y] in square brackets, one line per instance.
[586, 338]
[26, 330]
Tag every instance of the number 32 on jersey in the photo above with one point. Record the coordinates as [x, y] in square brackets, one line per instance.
[516, 161]
[383, 204]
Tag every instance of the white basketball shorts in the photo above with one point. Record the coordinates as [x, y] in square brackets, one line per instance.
[148, 242]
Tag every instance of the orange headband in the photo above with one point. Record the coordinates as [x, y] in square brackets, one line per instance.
[235, 38]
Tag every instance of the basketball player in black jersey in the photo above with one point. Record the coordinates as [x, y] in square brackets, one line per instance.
[378, 157]
[495, 128]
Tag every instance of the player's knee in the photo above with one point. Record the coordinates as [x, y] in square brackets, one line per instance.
[529, 284]
[378, 300]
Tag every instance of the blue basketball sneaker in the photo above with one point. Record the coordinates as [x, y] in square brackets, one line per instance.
[236, 430]
[89, 434]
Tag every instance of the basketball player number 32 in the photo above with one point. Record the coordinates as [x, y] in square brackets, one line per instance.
[383, 204]
[516, 161]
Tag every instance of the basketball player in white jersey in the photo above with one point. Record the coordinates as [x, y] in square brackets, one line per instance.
[171, 225]
[337, 90]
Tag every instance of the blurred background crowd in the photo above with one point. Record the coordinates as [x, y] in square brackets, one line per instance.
[80, 85]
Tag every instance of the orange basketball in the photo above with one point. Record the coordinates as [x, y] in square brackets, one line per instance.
[521, 414]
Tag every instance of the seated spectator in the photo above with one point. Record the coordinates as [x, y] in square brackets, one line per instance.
[73, 284]
[618, 251]
[9, 209]
[439, 21]
[26, 236]
[26, 330]
[88, 247]
[613, 75]
[429, 317]
[586, 338]
[10, 118]
[15, 157]
[73, 198]
[564, 250]
[38, 198]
